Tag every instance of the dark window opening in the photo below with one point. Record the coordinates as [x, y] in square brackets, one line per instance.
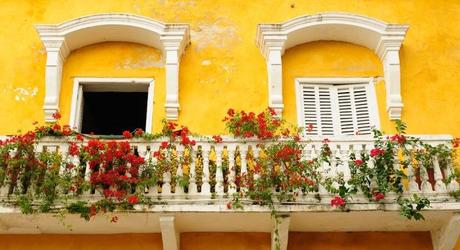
[110, 113]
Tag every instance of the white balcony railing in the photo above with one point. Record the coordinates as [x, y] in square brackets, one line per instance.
[215, 184]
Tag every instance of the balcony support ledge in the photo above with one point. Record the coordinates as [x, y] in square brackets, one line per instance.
[445, 237]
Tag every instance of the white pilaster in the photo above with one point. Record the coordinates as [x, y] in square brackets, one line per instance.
[446, 237]
[392, 76]
[275, 79]
[280, 231]
[169, 233]
[56, 52]
[172, 80]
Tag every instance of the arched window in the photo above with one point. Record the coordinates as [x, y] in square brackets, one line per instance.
[60, 39]
[383, 38]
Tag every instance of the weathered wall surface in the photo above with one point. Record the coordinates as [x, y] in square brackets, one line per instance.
[223, 68]
[82, 242]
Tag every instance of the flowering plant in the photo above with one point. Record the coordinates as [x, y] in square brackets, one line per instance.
[264, 125]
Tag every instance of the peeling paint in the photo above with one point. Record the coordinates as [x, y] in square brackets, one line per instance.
[22, 94]
[221, 34]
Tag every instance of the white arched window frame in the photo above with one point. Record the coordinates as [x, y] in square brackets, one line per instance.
[61, 39]
[383, 38]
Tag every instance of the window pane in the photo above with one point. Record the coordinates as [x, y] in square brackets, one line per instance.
[110, 113]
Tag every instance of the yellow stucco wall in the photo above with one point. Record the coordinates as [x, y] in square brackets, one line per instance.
[360, 241]
[223, 64]
[223, 68]
[81, 242]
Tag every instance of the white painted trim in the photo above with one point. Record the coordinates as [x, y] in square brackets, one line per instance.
[372, 100]
[169, 233]
[283, 232]
[383, 38]
[446, 237]
[80, 81]
[60, 39]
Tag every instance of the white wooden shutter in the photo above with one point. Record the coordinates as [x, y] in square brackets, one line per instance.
[317, 109]
[342, 109]
[353, 108]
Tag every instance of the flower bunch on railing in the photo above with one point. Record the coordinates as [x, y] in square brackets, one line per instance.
[268, 164]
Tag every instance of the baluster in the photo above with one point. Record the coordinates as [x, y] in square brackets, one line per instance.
[166, 187]
[88, 178]
[192, 187]
[205, 187]
[439, 186]
[371, 165]
[232, 167]
[426, 185]
[413, 185]
[219, 175]
[453, 185]
[63, 150]
[180, 152]
[321, 172]
[345, 158]
[255, 154]
[143, 152]
[333, 169]
[153, 190]
[244, 168]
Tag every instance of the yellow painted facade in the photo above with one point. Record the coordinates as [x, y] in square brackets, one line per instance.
[222, 64]
[223, 68]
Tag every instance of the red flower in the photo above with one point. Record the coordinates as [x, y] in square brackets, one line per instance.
[338, 202]
[127, 134]
[56, 127]
[133, 200]
[401, 139]
[358, 162]
[171, 125]
[164, 144]
[217, 138]
[378, 196]
[231, 112]
[456, 142]
[73, 149]
[229, 205]
[92, 210]
[326, 141]
[57, 115]
[310, 127]
[377, 151]
[66, 130]
[79, 137]
[138, 132]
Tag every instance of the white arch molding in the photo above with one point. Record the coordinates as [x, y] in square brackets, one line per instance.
[60, 39]
[383, 38]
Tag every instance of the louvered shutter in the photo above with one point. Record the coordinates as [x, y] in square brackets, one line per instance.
[317, 109]
[342, 109]
[353, 108]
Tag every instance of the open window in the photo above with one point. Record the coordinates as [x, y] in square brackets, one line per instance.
[336, 106]
[108, 106]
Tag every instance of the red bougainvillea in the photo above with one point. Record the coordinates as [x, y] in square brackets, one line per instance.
[114, 168]
[263, 125]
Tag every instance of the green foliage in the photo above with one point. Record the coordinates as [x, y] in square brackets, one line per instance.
[411, 207]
